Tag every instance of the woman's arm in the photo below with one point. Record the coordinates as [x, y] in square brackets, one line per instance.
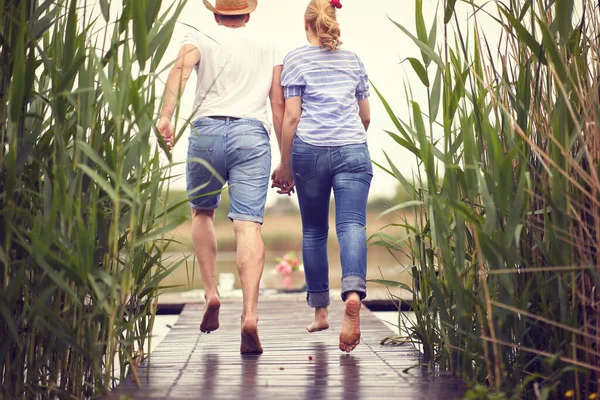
[364, 111]
[291, 118]
[282, 176]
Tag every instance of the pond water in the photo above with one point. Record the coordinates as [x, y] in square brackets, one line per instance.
[187, 276]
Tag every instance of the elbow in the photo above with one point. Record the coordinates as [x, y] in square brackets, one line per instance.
[292, 119]
[366, 122]
[277, 105]
[176, 70]
[180, 73]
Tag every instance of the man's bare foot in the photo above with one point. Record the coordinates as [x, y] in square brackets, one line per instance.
[210, 320]
[250, 340]
[320, 323]
[350, 332]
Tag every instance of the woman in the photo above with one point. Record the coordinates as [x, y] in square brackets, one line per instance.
[323, 148]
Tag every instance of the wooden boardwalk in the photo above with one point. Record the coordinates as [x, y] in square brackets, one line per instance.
[191, 365]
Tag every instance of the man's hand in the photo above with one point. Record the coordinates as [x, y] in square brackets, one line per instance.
[282, 179]
[166, 130]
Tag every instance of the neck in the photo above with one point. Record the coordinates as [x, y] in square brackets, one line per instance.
[312, 38]
[233, 25]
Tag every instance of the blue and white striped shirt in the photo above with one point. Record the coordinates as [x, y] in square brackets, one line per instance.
[330, 83]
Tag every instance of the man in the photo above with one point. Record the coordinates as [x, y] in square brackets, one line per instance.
[237, 71]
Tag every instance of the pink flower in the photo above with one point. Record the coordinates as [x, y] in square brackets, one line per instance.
[287, 281]
[287, 258]
[287, 269]
[295, 263]
[280, 267]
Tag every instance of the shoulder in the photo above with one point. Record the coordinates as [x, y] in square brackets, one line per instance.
[202, 39]
[354, 59]
[348, 54]
[297, 55]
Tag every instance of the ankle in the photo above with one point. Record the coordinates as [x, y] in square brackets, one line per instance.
[211, 295]
[321, 313]
[352, 297]
[250, 315]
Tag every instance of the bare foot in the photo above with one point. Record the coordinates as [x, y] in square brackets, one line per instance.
[250, 341]
[320, 323]
[350, 332]
[210, 320]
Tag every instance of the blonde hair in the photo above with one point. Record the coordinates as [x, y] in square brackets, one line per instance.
[320, 15]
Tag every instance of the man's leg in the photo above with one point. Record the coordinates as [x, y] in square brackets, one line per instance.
[206, 148]
[249, 157]
[205, 246]
[250, 260]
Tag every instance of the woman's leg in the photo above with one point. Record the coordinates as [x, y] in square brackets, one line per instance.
[351, 192]
[310, 166]
[351, 184]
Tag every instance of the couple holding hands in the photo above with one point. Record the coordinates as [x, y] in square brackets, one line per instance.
[320, 110]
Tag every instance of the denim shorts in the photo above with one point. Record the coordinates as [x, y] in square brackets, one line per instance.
[236, 151]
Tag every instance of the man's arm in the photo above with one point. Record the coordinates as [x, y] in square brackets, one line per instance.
[187, 59]
[364, 111]
[277, 103]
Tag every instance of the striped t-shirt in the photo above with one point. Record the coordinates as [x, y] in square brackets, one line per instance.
[330, 83]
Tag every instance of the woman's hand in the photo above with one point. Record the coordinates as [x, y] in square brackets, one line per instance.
[283, 180]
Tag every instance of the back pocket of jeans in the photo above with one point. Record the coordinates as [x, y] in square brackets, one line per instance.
[304, 166]
[356, 159]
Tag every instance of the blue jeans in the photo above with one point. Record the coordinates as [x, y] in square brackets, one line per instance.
[233, 150]
[348, 171]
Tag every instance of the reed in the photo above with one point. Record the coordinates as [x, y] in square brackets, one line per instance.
[81, 220]
[506, 196]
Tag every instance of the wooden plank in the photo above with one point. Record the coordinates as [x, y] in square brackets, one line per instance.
[188, 364]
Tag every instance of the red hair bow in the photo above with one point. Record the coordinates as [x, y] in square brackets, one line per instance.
[335, 3]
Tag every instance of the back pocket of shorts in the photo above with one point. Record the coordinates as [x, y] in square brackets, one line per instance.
[199, 164]
[304, 166]
[253, 161]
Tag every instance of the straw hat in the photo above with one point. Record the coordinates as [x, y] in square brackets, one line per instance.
[232, 7]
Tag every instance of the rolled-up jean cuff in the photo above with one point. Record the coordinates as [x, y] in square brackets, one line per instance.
[354, 283]
[318, 299]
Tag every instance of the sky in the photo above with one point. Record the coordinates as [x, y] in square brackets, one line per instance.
[366, 30]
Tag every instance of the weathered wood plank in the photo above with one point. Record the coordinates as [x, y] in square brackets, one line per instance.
[188, 364]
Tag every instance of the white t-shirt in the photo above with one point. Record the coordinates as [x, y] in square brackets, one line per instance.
[234, 74]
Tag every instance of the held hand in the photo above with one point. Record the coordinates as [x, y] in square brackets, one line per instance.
[166, 130]
[283, 180]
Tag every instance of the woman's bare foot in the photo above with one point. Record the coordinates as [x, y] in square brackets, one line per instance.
[210, 320]
[250, 340]
[350, 332]
[320, 323]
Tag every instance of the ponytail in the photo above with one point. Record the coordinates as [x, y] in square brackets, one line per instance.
[320, 15]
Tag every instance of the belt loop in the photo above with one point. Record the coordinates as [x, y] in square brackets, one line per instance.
[227, 121]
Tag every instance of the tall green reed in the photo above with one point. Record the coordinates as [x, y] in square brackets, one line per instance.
[80, 213]
[505, 197]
